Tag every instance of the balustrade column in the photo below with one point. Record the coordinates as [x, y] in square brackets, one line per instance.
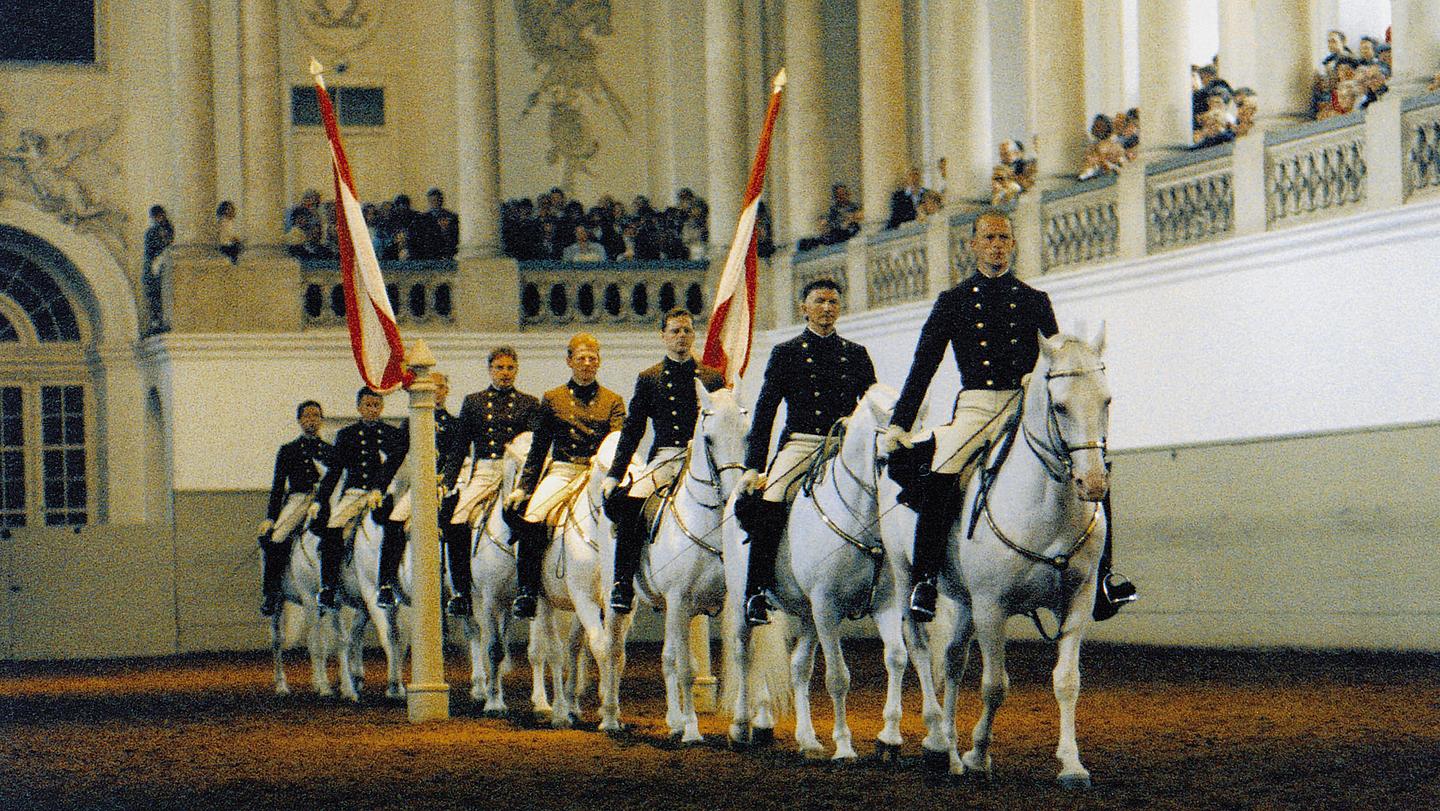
[961, 56]
[194, 133]
[477, 141]
[806, 153]
[724, 117]
[264, 200]
[1165, 89]
[1055, 67]
[884, 148]
[1415, 35]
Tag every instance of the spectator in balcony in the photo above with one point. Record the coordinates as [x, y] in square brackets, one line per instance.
[1369, 53]
[1216, 125]
[300, 215]
[843, 219]
[930, 205]
[1245, 110]
[158, 238]
[1337, 49]
[764, 231]
[584, 248]
[1127, 131]
[312, 245]
[694, 228]
[401, 219]
[905, 202]
[435, 234]
[1012, 175]
[1373, 84]
[1104, 155]
[1205, 80]
[227, 232]
[1345, 90]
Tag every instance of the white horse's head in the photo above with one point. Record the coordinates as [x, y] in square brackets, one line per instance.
[718, 449]
[515, 452]
[1067, 411]
[863, 425]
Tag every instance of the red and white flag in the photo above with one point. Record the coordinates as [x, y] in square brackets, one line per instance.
[732, 323]
[374, 337]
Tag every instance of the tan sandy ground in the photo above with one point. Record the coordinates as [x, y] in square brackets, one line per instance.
[1159, 728]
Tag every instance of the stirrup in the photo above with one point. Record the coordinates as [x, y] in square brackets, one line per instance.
[524, 605]
[1110, 597]
[385, 597]
[622, 597]
[327, 599]
[757, 610]
[459, 606]
[922, 600]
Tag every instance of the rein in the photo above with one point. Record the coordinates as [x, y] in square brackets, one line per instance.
[876, 552]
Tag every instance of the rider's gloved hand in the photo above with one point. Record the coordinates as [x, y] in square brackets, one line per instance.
[313, 511]
[516, 498]
[267, 525]
[751, 481]
[607, 487]
[375, 498]
[892, 438]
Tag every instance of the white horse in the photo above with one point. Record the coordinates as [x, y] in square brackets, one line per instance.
[830, 566]
[1035, 543]
[574, 578]
[327, 636]
[392, 625]
[682, 570]
[493, 580]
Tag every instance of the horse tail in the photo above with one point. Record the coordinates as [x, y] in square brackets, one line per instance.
[769, 660]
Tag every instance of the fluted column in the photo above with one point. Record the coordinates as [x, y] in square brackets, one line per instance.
[803, 117]
[1055, 67]
[1165, 89]
[264, 204]
[884, 151]
[1415, 34]
[961, 58]
[724, 117]
[477, 141]
[193, 131]
[1285, 59]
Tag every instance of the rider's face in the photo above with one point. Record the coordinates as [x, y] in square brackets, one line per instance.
[310, 420]
[993, 245]
[503, 371]
[821, 309]
[584, 363]
[679, 336]
[371, 406]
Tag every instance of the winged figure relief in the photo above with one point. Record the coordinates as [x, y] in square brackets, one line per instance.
[560, 36]
[47, 168]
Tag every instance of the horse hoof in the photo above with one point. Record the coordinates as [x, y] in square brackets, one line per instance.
[844, 759]
[395, 692]
[887, 753]
[617, 731]
[935, 761]
[489, 712]
[736, 744]
[282, 690]
[562, 722]
[761, 737]
[676, 735]
[1072, 782]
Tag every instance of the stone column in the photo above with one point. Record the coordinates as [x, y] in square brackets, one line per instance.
[724, 118]
[194, 133]
[884, 151]
[427, 694]
[803, 118]
[1239, 49]
[1285, 60]
[1054, 76]
[1165, 89]
[1104, 57]
[477, 142]
[961, 56]
[263, 206]
[1415, 35]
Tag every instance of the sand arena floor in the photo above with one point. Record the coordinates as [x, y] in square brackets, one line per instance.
[1158, 728]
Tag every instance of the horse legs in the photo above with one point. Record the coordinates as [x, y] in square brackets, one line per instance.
[994, 684]
[917, 642]
[889, 621]
[320, 642]
[599, 641]
[277, 645]
[957, 656]
[1066, 681]
[352, 656]
[738, 669]
[802, 668]
[387, 630]
[539, 652]
[837, 681]
[679, 704]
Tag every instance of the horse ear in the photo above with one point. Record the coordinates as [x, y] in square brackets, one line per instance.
[1047, 349]
[1099, 343]
[702, 395]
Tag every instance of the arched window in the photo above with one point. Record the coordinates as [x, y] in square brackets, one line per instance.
[46, 410]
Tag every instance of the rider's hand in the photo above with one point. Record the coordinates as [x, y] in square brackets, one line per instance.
[375, 498]
[750, 481]
[892, 438]
[516, 498]
[267, 524]
[313, 511]
[441, 492]
[607, 487]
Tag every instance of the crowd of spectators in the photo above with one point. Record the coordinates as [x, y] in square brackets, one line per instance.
[554, 227]
[1219, 113]
[1349, 80]
[1114, 142]
[1012, 175]
[397, 230]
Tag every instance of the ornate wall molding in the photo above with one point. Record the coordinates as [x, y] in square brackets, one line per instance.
[337, 27]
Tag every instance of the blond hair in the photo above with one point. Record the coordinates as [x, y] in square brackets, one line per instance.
[582, 340]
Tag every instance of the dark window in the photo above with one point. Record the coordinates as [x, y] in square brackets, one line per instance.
[354, 106]
[47, 31]
[640, 299]
[12, 458]
[585, 300]
[62, 437]
[31, 287]
[442, 300]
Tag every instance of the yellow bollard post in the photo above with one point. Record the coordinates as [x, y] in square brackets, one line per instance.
[428, 694]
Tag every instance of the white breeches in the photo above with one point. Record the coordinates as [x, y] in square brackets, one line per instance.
[979, 415]
[485, 478]
[659, 472]
[352, 503]
[561, 479]
[790, 463]
[292, 515]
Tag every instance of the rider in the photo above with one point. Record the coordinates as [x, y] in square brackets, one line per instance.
[488, 420]
[298, 466]
[572, 422]
[393, 538]
[367, 454]
[820, 376]
[991, 320]
[664, 395]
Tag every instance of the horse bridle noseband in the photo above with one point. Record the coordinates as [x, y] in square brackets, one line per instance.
[1059, 467]
[716, 485]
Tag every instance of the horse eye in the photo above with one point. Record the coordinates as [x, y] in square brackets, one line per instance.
[744, 411]
[1060, 408]
[705, 412]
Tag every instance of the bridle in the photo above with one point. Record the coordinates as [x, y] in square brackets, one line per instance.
[1055, 452]
[716, 485]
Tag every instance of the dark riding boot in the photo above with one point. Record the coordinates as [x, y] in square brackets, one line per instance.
[457, 548]
[392, 549]
[629, 543]
[939, 507]
[529, 558]
[332, 549]
[764, 540]
[276, 556]
[1112, 591]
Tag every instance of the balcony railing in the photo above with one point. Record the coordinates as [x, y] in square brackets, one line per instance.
[421, 292]
[1315, 169]
[1079, 223]
[1189, 199]
[899, 267]
[1420, 144]
[616, 294]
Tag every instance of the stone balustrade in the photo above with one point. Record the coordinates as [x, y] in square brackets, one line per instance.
[615, 294]
[1079, 223]
[1189, 199]
[899, 269]
[1314, 170]
[421, 292]
[1420, 143]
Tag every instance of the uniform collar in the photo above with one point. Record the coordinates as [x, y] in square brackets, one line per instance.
[497, 390]
[671, 363]
[812, 335]
[980, 280]
[583, 393]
